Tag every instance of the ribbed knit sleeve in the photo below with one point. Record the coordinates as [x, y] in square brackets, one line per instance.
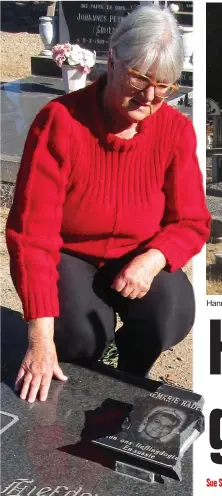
[186, 221]
[33, 226]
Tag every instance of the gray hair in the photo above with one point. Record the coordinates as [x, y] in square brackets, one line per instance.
[149, 34]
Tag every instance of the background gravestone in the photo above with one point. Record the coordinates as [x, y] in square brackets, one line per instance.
[90, 24]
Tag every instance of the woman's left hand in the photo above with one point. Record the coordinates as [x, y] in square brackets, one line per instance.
[135, 279]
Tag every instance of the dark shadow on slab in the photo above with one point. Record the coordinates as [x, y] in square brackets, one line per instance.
[14, 341]
[105, 420]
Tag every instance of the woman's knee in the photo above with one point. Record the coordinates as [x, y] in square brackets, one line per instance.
[164, 316]
[175, 312]
[86, 338]
[169, 288]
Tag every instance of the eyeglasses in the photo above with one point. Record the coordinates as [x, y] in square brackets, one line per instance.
[141, 82]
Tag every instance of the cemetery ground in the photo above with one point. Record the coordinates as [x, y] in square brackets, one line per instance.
[16, 52]
[174, 365]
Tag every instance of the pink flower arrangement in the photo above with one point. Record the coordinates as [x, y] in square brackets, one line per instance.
[74, 55]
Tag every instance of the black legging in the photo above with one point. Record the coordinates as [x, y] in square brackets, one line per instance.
[88, 306]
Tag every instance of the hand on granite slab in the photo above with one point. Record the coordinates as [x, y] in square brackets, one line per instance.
[40, 363]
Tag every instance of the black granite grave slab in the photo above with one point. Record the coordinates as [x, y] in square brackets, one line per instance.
[45, 66]
[42, 448]
[47, 445]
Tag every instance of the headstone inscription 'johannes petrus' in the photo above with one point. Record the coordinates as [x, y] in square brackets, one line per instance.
[91, 24]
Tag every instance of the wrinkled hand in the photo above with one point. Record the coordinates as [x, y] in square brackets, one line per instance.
[38, 367]
[135, 279]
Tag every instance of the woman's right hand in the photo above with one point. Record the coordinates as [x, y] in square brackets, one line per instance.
[39, 364]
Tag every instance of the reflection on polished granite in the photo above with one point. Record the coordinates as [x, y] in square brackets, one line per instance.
[21, 100]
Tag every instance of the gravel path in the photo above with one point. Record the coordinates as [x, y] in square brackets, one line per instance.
[215, 205]
[21, 46]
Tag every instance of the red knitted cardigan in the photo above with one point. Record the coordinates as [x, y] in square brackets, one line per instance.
[85, 191]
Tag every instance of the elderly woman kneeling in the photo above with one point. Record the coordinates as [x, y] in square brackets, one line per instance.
[108, 207]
